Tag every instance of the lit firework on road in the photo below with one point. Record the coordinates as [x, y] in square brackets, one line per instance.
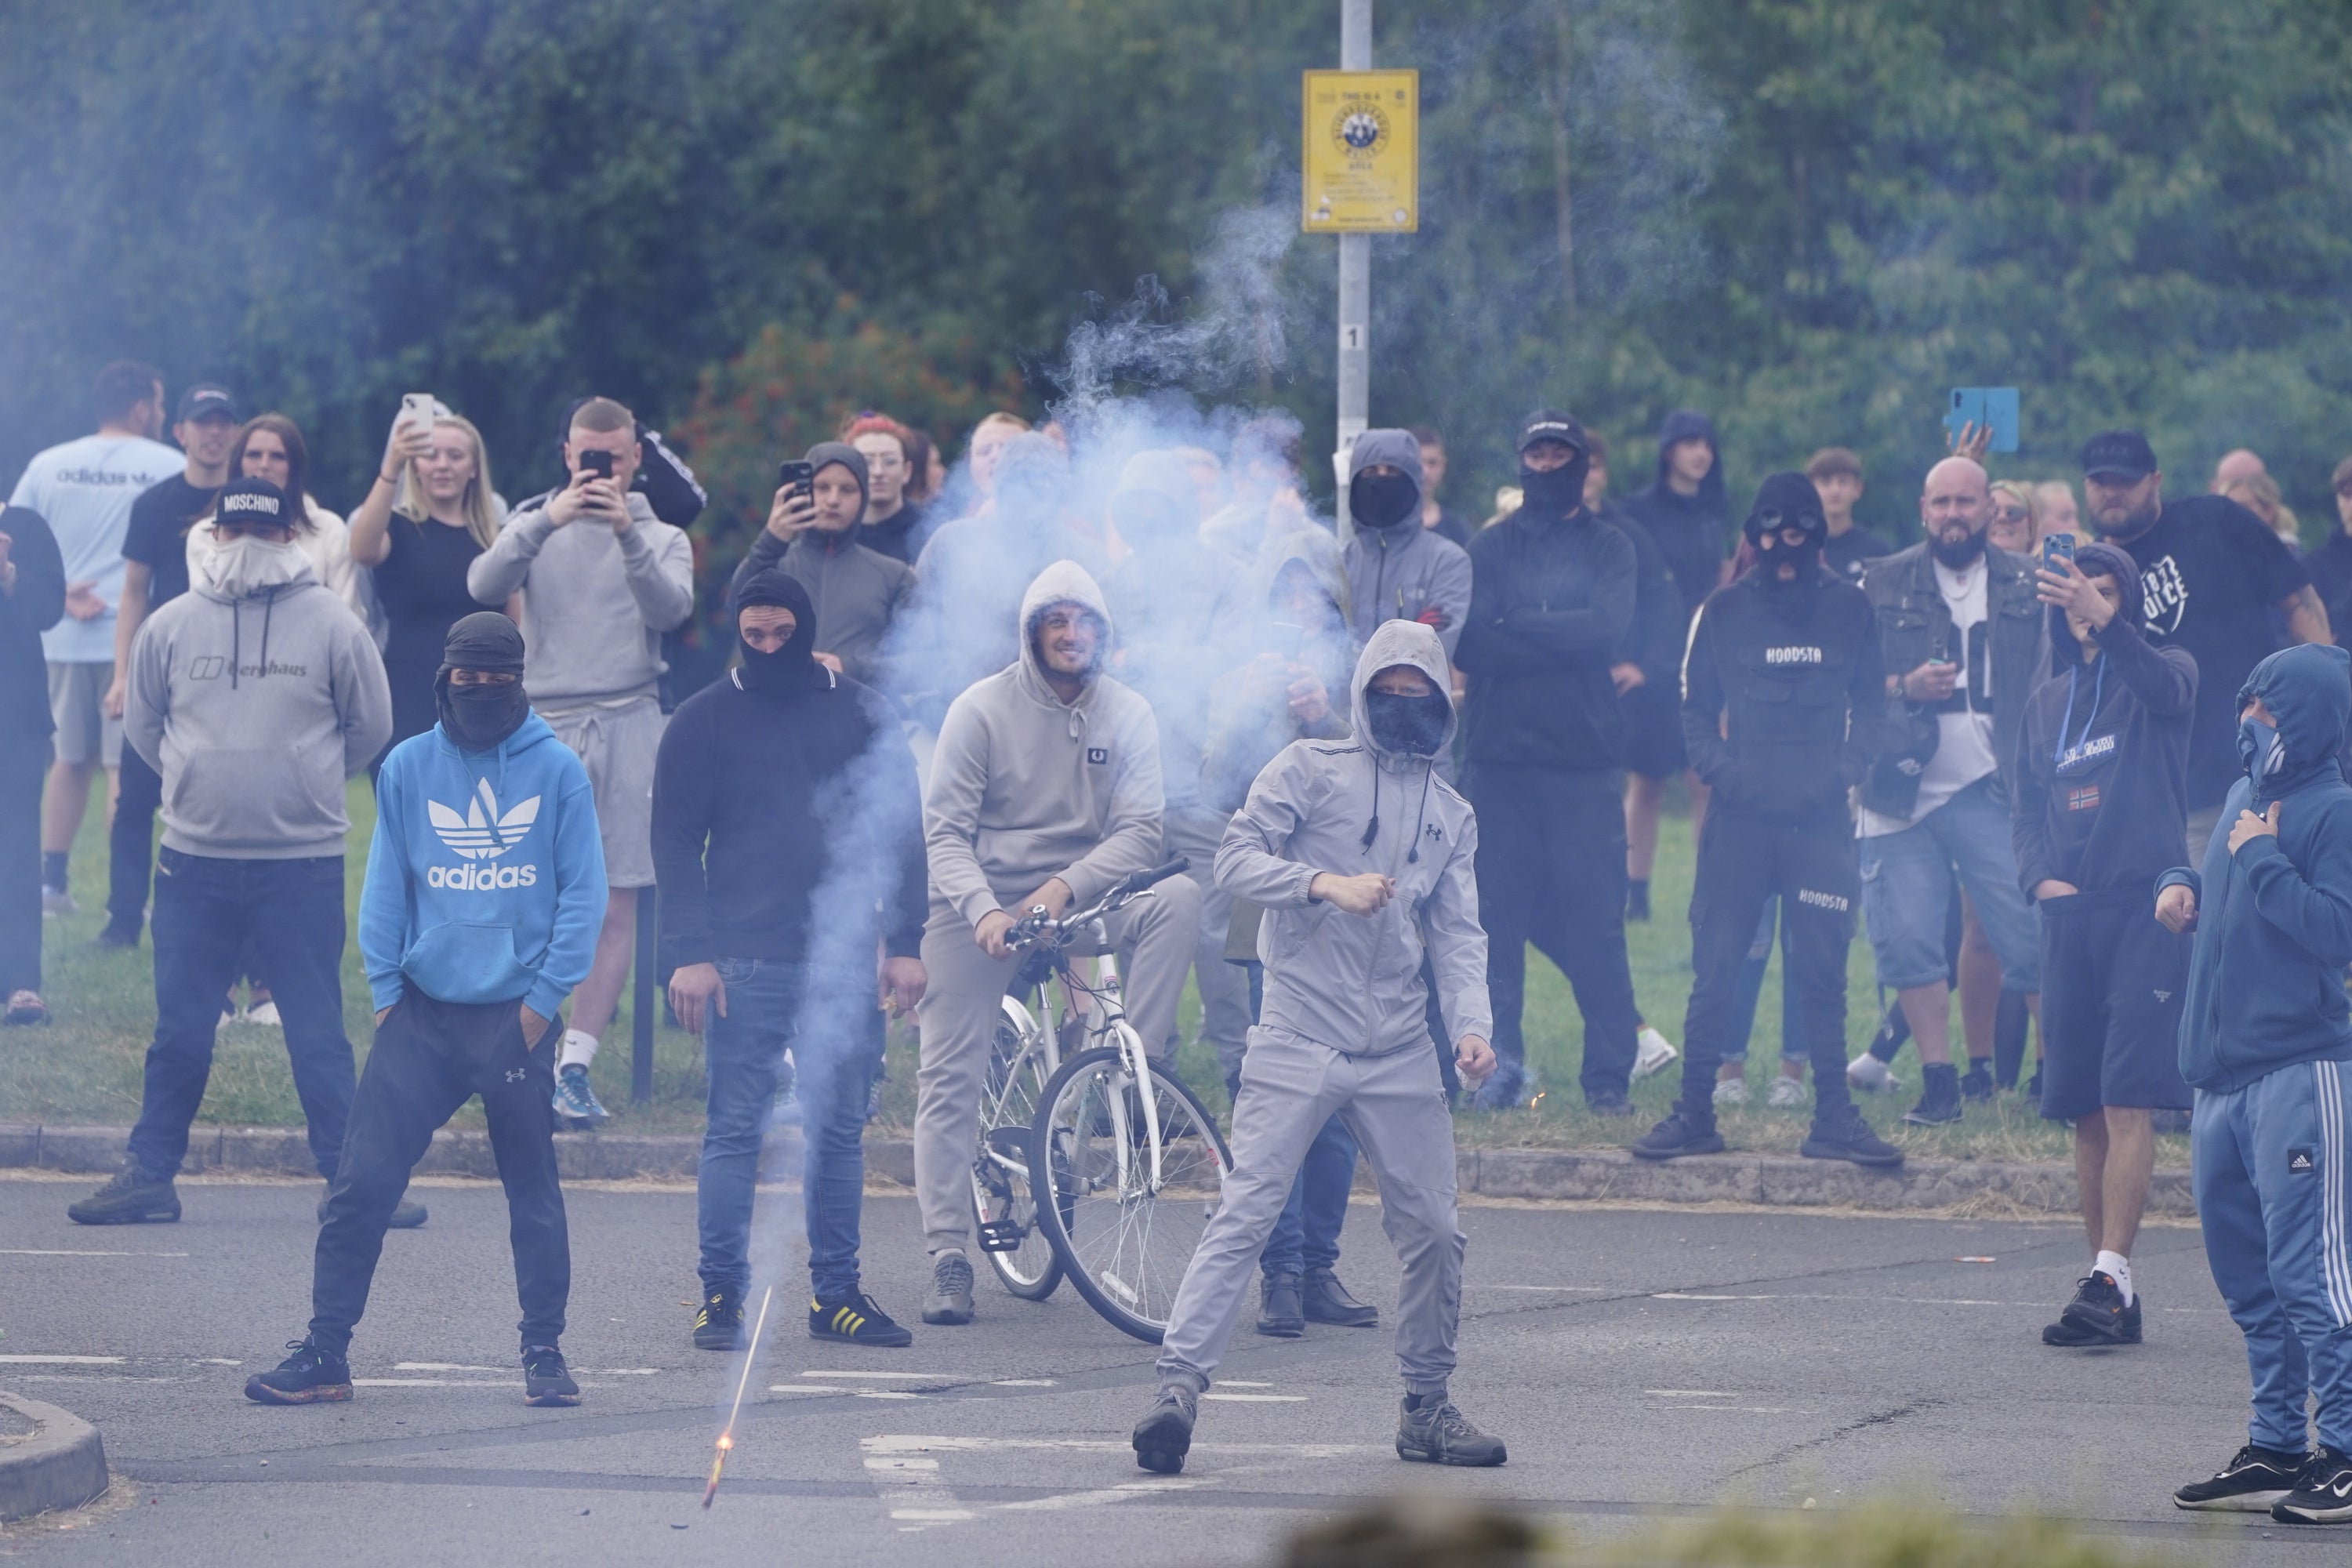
[727, 1436]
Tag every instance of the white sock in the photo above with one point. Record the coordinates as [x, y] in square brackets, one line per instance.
[579, 1049]
[2115, 1266]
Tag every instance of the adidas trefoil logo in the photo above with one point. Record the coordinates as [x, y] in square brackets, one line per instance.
[481, 836]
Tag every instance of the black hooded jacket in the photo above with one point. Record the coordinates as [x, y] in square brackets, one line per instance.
[767, 801]
[1692, 531]
[1784, 695]
[2102, 792]
[1551, 607]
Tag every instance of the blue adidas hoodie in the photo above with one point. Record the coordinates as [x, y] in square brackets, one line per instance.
[2274, 921]
[485, 881]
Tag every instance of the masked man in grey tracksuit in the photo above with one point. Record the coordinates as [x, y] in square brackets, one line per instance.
[1044, 791]
[1361, 857]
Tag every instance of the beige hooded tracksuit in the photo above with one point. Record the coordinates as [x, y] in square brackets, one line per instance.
[1024, 787]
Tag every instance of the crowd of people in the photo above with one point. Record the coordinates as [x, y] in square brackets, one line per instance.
[2040, 745]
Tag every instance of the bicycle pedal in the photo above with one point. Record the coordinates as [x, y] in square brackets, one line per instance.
[1002, 1235]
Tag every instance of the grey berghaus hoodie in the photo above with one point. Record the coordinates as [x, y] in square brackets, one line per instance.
[1351, 982]
[255, 710]
[1024, 787]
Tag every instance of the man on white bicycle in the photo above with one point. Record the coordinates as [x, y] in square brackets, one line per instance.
[1045, 790]
[1361, 857]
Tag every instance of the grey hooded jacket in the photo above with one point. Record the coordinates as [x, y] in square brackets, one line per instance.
[1350, 981]
[1024, 787]
[855, 591]
[255, 710]
[1403, 573]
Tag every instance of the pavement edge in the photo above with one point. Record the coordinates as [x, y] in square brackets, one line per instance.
[62, 1465]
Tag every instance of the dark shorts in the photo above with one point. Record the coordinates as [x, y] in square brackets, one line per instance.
[1653, 731]
[2112, 983]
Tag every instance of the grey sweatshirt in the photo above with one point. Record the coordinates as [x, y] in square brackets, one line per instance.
[256, 711]
[1402, 573]
[1351, 982]
[594, 603]
[1023, 788]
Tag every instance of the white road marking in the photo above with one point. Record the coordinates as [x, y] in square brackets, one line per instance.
[63, 1360]
[1108, 1494]
[619, 1371]
[1692, 1393]
[893, 1376]
[1022, 1382]
[1241, 1383]
[77, 1252]
[1579, 1289]
[440, 1366]
[1258, 1398]
[883, 1393]
[805, 1388]
[1689, 1296]
[909, 1484]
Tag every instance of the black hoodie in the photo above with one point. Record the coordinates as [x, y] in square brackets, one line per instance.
[766, 800]
[2103, 752]
[1692, 530]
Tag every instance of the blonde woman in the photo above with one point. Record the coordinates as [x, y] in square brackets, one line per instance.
[429, 513]
[2016, 517]
[270, 446]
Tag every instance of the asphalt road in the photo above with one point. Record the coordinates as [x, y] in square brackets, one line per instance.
[1638, 1361]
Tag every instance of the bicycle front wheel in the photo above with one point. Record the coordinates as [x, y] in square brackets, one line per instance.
[1122, 1217]
[1003, 1198]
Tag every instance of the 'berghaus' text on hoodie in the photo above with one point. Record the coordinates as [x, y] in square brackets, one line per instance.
[1351, 982]
[255, 710]
[485, 881]
[1024, 787]
[2275, 920]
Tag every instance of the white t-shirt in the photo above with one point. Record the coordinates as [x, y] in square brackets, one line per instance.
[84, 489]
[1964, 742]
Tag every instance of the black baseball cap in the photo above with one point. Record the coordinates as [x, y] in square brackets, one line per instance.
[206, 401]
[255, 503]
[1551, 425]
[2124, 454]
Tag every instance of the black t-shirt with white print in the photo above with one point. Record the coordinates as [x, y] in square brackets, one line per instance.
[2211, 575]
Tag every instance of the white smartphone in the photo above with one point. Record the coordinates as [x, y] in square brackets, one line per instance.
[416, 408]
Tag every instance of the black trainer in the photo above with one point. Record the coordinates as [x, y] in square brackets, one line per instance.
[130, 1198]
[545, 1379]
[308, 1376]
[2322, 1494]
[1680, 1134]
[2253, 1479]
[1281, 1309]
[1435, 1433]
[1328, 1302]
[1164, 1436]
[718, 1326]
[1607, 1104]
[1939, 1097]
[1977, 1082]
[856, 1319]
[2096, 1316]
[1849, 1136]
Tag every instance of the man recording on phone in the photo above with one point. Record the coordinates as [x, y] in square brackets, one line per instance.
[601, 578]
[855, 592]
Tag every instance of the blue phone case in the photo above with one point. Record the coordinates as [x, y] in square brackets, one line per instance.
[1994, 406]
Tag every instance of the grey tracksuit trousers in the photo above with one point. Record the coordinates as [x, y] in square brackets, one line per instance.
[1396, 1108]
[958, 1020]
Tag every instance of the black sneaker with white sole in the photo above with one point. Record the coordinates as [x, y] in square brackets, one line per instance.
[133, 1198]
[1848, 1137]
[2253, 1479]
[1432, 1432]
[1164, 1436]
[856, 1320]
[719, 1325]
[2322, 1494]
[2096, 1316]
[546, 1381]
[950, 1301]
[1939, 1097]
[308, 1376]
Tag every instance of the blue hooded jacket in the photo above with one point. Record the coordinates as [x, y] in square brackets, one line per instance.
[2274, 921]
[486, 878]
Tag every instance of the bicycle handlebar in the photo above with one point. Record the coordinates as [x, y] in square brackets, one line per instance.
[1033, 928]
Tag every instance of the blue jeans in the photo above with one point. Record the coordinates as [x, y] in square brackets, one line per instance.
[835, 1057]
[207, 910]
[1907, 887]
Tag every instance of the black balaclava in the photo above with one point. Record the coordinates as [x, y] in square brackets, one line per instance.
[1382, 501]
[1411, 725]
[479, 718]
[1558, 492]
[1787, 501]
[791, 668]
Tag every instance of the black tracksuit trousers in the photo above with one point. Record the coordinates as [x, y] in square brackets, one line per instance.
[1816, 870]
[429, 1057]
[1551, 871]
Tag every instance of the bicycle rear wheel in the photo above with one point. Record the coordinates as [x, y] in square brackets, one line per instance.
[1004, 1199]
[1123, 1233]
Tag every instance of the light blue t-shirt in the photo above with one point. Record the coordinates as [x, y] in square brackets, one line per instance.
[85, 489]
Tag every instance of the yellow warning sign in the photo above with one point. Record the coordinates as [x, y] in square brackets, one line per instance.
[1360, 136]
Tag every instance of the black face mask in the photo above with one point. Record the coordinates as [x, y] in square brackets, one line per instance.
[1554, 493]
[479, 717]
[1808, 557]
[1967, 552]
[1382, 501]
[1412, 725]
